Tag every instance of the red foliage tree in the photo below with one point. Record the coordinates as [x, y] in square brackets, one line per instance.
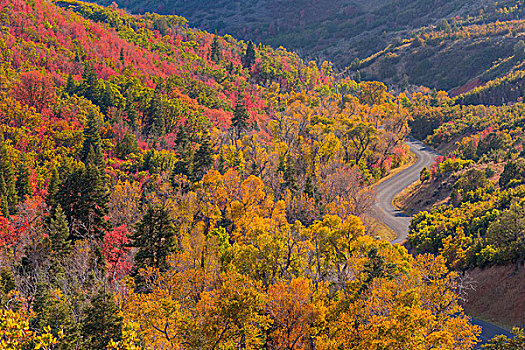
[35, 90]
[116, 252]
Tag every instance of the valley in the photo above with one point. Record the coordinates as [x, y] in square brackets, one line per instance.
[227, 175]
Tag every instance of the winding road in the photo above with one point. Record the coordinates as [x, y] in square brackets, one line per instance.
[385, 211]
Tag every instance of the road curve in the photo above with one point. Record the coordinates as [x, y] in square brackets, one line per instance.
[385, 211]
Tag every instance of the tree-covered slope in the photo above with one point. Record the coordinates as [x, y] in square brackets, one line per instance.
[163, 187]
[335, 29]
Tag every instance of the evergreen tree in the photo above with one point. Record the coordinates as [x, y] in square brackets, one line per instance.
[203, 159]
[357, 77]
[185, 165]
[215, 51]
[90, 85]
[157, 115]
[55, 312]
[8, 196]
[102, 322]
[121, 55]
[127, 146]
[154, 239]
[108, 98]
[71, 86]
[92, 147]
[58, 235]
[52, 190]
[286, 166]
[23, 177]
[130, 110]
[240, 117]
[84, 198]
[3, 198]
[249, 56]
[7, 285]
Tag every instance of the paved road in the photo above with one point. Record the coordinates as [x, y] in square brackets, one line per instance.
[386, 191]
[399, 222]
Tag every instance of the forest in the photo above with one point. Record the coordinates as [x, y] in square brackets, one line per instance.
[162, 187]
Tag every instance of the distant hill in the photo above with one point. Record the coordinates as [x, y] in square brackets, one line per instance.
[338, 30]
[455, 59]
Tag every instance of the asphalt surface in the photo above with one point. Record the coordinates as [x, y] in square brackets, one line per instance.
[385, 211]
[387, 190]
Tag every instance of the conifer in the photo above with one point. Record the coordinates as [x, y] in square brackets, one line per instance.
[102, 322]
[249, 56]
[154, 239]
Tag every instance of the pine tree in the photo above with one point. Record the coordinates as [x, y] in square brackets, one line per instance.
[23, 177]
[92, 147]
[121, 59]
[52, 190]
[203, 159]
[102, 322]
[3, 198]
[215, 51]
[71, 86]
[83, 193]
[249, 57]
[90, 84]
[58, 235]
[185, 165]
[56, 313]
[286, 166]
[240, 117]
[229, 68]
[154, 239]
[108, 98]
[8, 195]
[84, 198]
[130, 110]
[127, 146]
[157, 115]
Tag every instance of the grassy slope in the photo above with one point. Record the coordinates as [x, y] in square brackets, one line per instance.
[498, 295]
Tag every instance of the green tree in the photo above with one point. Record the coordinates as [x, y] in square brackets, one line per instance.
[502, 342]
[131, 110]
[89, 87]
[203, 159]
[154, 239]
[71, 86]
[249, 56]
[84, 198]
[52, 310]
[507, 234]
[92, 147]
[240, 117]
[127, 146]
[102, 322]
[59, 243]
[185, 164]
[157, 115]
[8, 196]
[513, 173]
[23, 177]
[215, 50]
[107, 99]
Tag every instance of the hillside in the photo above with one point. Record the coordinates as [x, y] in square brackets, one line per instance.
[336, 30]
[456, 60]
[162, 187]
